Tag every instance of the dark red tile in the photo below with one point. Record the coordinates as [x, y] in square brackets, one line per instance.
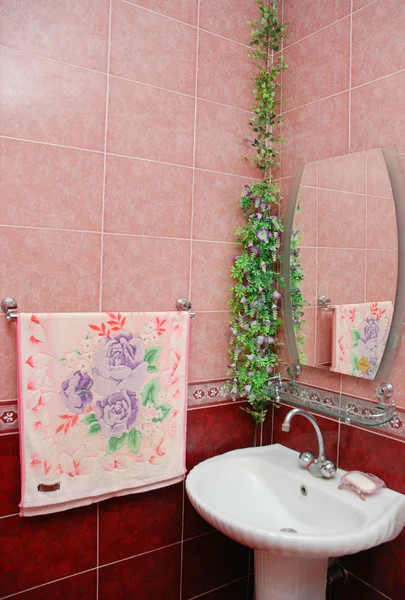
[365, 451]
[193, 524]
[210, 561]
[233, 591]
[382, 567]
[35, 550]
[217, 429]
[10, 490]
[151, 576]
[251, 587]
[139, 523]
[302, 435]
[267, 427]
[354, 589]
[78, 587]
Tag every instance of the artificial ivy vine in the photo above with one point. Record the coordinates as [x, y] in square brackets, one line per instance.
[255, 301]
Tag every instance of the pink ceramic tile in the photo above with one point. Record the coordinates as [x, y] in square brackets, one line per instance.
[225, 72]
[308, 264]
[145, 122]
[322, 378]
[315, 131]
[221, 140]
[217, 213]
[309, 176]
[323, 337]
[209, 345]
[378, 41]
[137, 51]
[307, 16]
[341, 220]
[341, 275]
[359, 388]
[211, 275]
[305, 218]
[8, 365]
[378, 181]
[308, 331]
[381, 224]
[147, 198]
[229, 21]
[48, 186]
[183, 10]
[357, 4]
[143, 273]
[55, 271]
[70, 31]
[345, 173]
[318, 66]
[378, 116]
[382, 274]
[50, 102]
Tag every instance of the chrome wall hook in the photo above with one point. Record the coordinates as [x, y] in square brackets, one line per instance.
[184, 304]
[8, 306]
[325, 303]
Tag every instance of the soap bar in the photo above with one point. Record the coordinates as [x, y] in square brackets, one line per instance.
[364, 484]
[361, 482]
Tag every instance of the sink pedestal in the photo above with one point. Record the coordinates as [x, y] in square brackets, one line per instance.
[280, 577]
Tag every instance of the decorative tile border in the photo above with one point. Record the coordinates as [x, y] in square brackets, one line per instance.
[209, 392]
[8, 416]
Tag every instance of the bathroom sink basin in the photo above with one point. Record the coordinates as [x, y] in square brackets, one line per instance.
[263, 499]
[252, 494]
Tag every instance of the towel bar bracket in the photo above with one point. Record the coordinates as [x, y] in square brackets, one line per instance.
[184, 304]
[9, 306]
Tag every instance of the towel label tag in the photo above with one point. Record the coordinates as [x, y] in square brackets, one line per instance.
[363, 364]
[52, 487]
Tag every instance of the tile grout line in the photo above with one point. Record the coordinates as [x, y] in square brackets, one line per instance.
[191, 256]
[362, 580]
[220, 587]
[105, 159]
[366, 242]
[349, 141]
[194, 151]
[42, 585]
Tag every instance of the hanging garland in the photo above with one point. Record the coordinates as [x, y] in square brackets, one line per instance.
[255, 301]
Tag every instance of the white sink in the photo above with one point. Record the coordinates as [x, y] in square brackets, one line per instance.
[252, 494]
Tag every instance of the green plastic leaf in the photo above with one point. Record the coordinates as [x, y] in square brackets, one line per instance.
[94, 428]
[150, 392]
[152, 354]
[89, 419]
[134, 441]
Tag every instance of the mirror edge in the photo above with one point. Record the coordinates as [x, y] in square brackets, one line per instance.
[286, 256]
[398, 318]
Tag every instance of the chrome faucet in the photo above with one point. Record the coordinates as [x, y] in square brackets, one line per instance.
[318, 467]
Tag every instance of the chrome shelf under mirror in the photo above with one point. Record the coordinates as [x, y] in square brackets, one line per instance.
[332, 404]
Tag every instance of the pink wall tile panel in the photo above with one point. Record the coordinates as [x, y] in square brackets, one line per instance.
[217, 16]
[51, 102]
[318, 65]
[182, 10]
[137, 51]
[69, 31]
[378, 50]
[308, 16]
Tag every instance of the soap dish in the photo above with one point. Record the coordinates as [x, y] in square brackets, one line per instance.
[364, 484]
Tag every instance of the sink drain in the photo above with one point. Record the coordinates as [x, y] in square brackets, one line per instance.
[289, 530]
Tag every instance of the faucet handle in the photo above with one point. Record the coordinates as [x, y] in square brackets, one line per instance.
[328, 469]
[306, 459]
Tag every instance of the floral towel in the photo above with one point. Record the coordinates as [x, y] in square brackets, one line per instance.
[102, 406]
[360, 333]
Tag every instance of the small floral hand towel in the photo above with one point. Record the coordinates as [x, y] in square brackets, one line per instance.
[102, 406]
[360, 333]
